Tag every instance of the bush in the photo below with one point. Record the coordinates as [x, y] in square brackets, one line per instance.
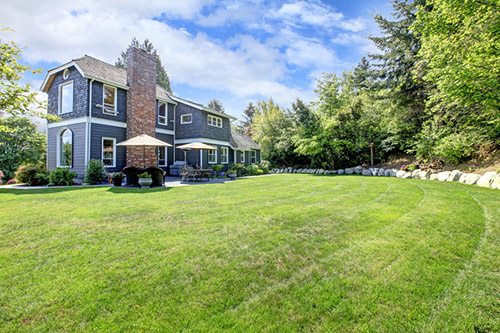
[95, 172]
[117, 178]
[265, 166]
[11, 181]
[217, 167]
[253, 170]
[1, 176]
[32, 175]
[238, 169]
[144, 175]
[62, 177]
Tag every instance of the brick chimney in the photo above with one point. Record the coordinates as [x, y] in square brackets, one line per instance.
[141, 104]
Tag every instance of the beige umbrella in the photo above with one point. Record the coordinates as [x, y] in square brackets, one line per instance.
[144, 140]
[196, 145]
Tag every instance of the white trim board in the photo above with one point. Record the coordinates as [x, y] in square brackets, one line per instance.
[205, 140]
[164, 131]
[92, 120]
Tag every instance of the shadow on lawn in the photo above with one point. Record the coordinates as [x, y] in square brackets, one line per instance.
[137, 190]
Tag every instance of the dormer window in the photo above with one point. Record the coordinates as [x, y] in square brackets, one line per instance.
[162, 114]
[214, 121]
[109, 100]
[66, 74]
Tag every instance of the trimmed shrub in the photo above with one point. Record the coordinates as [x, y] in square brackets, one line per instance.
[32, 175]
[239, 169]
[253, 170]
[62, 177]
[95, 173]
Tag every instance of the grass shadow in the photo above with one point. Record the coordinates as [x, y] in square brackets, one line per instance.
[137, 190]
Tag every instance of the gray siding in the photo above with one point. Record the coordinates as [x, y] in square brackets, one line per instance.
[80, 94]
[78, 147]
[199, 128]
[99, 131]
[121, 101]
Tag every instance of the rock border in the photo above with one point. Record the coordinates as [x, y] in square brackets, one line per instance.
[489, 179]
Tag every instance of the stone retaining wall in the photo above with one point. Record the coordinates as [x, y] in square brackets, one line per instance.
[488, 179]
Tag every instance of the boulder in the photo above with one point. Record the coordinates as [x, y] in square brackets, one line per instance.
[321, 171]
[393, 172]
[400, 173]
[454, 176]
[424, 174]
[387, 173]
[381, 172]
[496, 183]
[373, 171]
[463, 178]
[358, 170]
[340, 171]
[443, 175]
[433, 176]
[349, 171]
[472, 178]
[415, 173]
[335, 172]
[366, 172]
[487, 179]
[407, 175]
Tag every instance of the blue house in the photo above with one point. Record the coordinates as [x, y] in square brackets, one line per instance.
[100, 105]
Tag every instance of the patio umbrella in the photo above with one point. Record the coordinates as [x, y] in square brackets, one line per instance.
[197, 146]
[144, 140]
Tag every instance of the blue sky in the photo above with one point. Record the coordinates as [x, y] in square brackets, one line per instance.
[235, 51]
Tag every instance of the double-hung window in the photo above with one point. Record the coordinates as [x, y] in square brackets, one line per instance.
[224, 155]
[66, 97]
[242, 156]
[109, 152]
[214, 121]
[109, 100]
[253, 157]
[162, 156]
[162, 114]
[212, 156]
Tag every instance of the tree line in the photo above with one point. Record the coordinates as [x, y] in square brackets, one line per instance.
[432, 91]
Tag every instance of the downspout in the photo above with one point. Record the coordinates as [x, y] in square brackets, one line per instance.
[173, 160]
[89, 124]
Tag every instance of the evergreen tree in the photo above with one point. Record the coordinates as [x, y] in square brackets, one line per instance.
[394, 70]
[162, 78]
[216, 105]
[248, 114]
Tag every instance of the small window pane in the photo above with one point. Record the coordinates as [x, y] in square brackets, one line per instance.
[66, 103]
[224, 155]
[108, 152]
[186, 119]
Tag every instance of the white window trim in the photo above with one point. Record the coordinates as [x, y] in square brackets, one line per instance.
[242, 156]
[114, 151]
[166, 157]
[59, 98]
[109, 113]
[226, 149]
[208, 156]
[58, 148]
[253, 156]
[186, 122]
[166, 113]
[213, 120]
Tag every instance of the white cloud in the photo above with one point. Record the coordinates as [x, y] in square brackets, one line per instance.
[316, 14]
[242, 66]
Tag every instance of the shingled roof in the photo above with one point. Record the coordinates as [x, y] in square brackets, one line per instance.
[241, 141]
[99, 70]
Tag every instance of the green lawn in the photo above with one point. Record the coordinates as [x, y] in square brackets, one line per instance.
[279, 253]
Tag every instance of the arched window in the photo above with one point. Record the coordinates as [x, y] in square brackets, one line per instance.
[66, 148]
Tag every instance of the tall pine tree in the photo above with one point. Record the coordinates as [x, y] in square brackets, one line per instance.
[162, 78]
[394, 71]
